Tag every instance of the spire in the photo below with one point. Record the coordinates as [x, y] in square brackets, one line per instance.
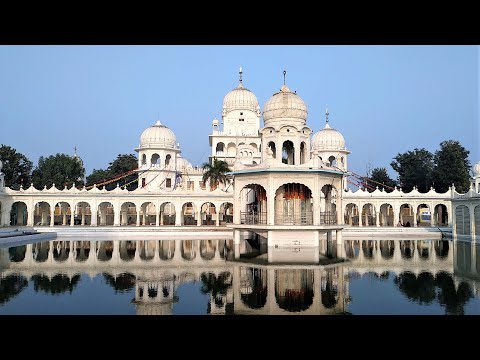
[326, 119]
[75, 151]
[285, 77]
[240, 73]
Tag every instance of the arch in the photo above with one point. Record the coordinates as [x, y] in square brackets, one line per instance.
[207, 249]
[424, 215]
[127, 250]
[329, 289]
[62, 213]
[148, 214]
[288, 153]
[17, 253]
[253, 204]
[61, 250]
[254, 146]
[40, 251]
[368, 248]
[83, 214]
[332, 161]
[387, 249]
[168, 158]
[105, 214]
[155, 159]
[328, 206]
[19, 214]
[166, 249]
[128, 214]
[294, 289]
[208, 213]
[352, 216]
[189, 214]
[476, 215]
[440, 215]
[220, 148]
[189, 251]
[352, 248]
[82, 250]
[253, 291]
[144, 159]
[405, 215]
[423, 249]
[104, 250]
[462, 220]
[303, 147]
[273, 148]
[147, 249]
[386, 215]
[231, 149]
[226, 213]
[442, 248]
[369, 215]
[167, 214]
[407, 249]
[293, 205]
[41, 214]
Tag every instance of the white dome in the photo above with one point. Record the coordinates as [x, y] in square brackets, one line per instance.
[476, 169]
[240, 98]
[328, 139]
[158, 135]
[182, 164]
[285, 104]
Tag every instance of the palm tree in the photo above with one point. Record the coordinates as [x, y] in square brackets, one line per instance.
[215, 172]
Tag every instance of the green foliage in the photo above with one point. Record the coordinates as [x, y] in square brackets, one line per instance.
[451, 167]
[414, 168]
[61, 169]
[381, 176]
[122, 164]
[16, 167]
[216, 172]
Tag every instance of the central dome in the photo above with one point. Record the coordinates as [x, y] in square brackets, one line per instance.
[158, 135]
[328, 139]
[240, 98]
[285, 104]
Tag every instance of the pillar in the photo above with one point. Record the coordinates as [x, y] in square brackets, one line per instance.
[93, 217]
[72, 216]
[138, 218]
[217, 220]
[157, 217]
[64, 215]
[236, 243]
[199, 216]
[377, 222]
[414, 219]
[178, 217]
[52, 215]
[340, 245]
[82, 210]
[116, 217]
[472, 223]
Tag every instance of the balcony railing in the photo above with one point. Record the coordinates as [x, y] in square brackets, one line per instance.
[328, 218]
[294, 219]
[253, 218]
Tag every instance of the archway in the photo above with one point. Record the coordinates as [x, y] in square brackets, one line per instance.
[387, 249]
[147, 249]
[208, 213]
[231, 149]
[352, 248]
[407, 249]
[253, 205]
[167, 214]
[104, 250]
[368, 248]
[226, 213]
[293, 205]
[144, 159]
[424, 216]
[19, 214]
[273, 148]
[462, 220]
[440, 215]
[61, 250]
[62, 214]
[302, 152]
[166, 249]
[351, 214]
[82, 250]
[288, 153]
[406, 215]
[148, 214]
[168, 158]
[155, 159]
[105, 216]
[328, 205]
[253, 290]
[220, 148]
[294, 289]
[207, 249]
[332, 161]
[387, 217]
[128, 250]
[40, 251]
[189, 214]
[423, 248]
[128, 214]
[369, 215]
[17, 253]
[329, 289]
[83, 214]
[189, 251]
[41, 214]
[441, 248]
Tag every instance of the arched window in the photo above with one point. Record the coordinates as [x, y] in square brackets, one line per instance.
[332, 160]
[155, 159]
[302, 153]
[288, 153]
[144, 159]
[167, 159]
[272, 147]
[220, 148]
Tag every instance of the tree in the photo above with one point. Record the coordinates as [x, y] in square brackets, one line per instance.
[122, 164]
[61, 169]
[215, 173]
[16, 167]
[451, 167]
[380, 175]
[414, 168]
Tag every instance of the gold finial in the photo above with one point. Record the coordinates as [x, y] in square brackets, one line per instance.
[284, 76]
[326, 115]
[240, 72]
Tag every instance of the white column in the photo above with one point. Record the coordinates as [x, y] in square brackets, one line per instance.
[414, 218]
[72, 216]
[52, 215]
[138, 218]
[157, 217]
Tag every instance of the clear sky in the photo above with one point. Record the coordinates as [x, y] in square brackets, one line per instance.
[384, 99]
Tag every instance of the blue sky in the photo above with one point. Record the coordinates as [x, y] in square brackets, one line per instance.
[384, 99]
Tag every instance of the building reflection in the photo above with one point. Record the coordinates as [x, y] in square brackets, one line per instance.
[152, 271]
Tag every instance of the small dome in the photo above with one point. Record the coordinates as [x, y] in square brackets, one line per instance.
[285, 104]
[158, 135]
[328, 139]
[240, 98]
[182, 164]
[476, 169]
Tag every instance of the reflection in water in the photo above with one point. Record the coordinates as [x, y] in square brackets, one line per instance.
[436, 274]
